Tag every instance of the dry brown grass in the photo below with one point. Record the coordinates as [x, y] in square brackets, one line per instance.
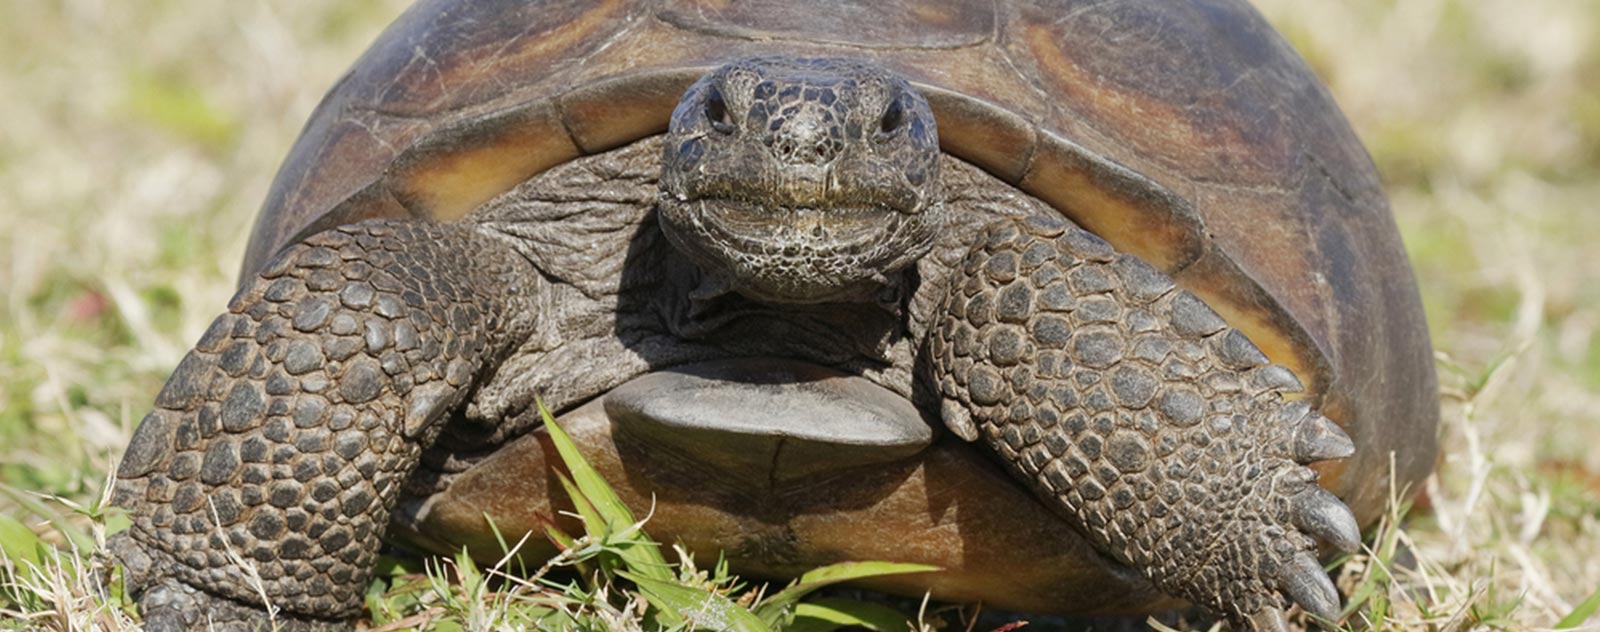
[1485, 119]
[139, 138]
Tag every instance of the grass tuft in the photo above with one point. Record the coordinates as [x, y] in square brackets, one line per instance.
[613, 576]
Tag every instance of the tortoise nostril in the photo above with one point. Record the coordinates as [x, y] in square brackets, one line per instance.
[804, 152]
[717, 112]
[893, 117]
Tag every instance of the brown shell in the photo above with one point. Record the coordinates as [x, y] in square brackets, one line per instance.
[1190, 134]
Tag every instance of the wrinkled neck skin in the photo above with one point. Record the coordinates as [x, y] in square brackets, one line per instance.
[801, 182]
[620, 300]
[795, 209]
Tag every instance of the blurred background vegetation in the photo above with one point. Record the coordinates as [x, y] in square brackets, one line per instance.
[138, 139]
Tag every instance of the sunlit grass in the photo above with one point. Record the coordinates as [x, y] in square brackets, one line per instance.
[140, 137]
[1481, 116]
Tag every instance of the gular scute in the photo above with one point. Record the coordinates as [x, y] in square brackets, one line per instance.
[813, 420]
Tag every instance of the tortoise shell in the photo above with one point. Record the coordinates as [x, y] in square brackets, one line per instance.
[1189, 134]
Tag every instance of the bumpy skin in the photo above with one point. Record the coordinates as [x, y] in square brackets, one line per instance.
[1132, 407]
[1188, 133]
[1127, 404]
[284, 437]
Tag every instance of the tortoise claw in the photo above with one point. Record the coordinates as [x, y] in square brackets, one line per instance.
[1321, 514]
[1308, 585]
[1318, 439]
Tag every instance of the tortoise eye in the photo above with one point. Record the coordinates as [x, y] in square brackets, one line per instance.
[893, 117]
[717, 112]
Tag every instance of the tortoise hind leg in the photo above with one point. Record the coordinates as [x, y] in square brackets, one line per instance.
[284, 437]
[1135, 411]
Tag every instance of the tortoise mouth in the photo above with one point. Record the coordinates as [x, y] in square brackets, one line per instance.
[819, 230]
[846, 186]
[797, 254]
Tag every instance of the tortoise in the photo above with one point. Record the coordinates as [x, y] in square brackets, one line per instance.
[1061, 297]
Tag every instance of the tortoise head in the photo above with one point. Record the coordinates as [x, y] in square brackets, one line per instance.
[796, 180]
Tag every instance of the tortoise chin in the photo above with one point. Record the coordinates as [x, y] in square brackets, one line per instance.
[798, 255]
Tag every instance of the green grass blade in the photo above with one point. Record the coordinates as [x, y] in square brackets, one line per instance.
[639, 553]
[773, 608]
[824, 615]
[1580, 613]
[19, 543]
[588, 480]
[23, 555]
[593, 523]
[57, 520]
[846, 571]
[705, 609]
[559, 537]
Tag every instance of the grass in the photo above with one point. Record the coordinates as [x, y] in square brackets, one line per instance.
[139, 139]
[1483, 118]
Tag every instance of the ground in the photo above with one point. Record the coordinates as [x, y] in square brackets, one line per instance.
[139, 140]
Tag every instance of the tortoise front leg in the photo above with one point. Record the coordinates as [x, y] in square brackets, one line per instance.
[1134, 410]
[282, 440]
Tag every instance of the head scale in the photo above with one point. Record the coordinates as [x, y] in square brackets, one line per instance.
[801, 180]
